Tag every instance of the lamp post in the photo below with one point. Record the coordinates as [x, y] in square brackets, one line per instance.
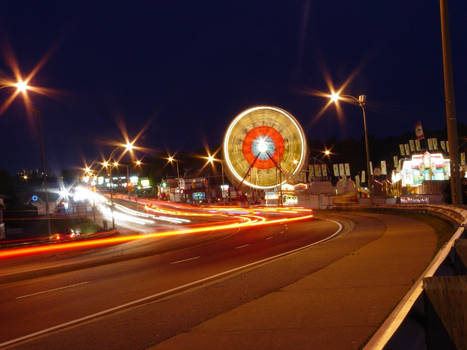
[117, 164]
[138, 164]
[210, 158]
[129, 147]
[360, 101]
[107, 166]
[44, 169]
[22, 87]
[171, 160]
[127, 166]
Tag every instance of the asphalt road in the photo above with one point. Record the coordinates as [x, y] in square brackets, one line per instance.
[35, 305]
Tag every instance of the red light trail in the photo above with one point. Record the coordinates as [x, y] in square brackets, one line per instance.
[250, 220]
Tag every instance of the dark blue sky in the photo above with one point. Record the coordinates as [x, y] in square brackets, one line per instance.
[192, 66]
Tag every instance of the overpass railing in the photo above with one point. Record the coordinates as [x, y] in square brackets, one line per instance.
[433, 313]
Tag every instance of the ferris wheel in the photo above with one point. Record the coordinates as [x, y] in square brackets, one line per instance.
[263, 147]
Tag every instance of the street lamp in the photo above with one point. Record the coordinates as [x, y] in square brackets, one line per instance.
[106, 165]
[211, 159]
[360, 101]
[129, 146]
[171, 160]
[22, 87]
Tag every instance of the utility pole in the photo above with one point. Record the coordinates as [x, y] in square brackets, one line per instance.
[362, 104]
[44, 170]
[451, 123]
[112, 198]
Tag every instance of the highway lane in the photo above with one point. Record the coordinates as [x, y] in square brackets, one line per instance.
[37, 304]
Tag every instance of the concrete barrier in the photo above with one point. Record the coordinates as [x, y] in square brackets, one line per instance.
[390, 329]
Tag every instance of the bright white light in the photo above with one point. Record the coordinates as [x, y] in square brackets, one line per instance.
[22, 86]
[262, 145]
[64, 193]
[129, 146]
[334, 97]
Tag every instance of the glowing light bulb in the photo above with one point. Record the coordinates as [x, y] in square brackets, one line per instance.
[129, 146]
[22, 86]
[334, 97]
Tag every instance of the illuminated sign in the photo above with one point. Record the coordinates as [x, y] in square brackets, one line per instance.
[270, 196]
[427, 166]
[145, 183]
[287, 187]
[290, 200]
[198, 196]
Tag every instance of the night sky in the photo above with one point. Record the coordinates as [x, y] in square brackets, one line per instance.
[191, 66]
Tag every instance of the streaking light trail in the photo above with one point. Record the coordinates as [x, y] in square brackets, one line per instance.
[228, 218]
[251, 221]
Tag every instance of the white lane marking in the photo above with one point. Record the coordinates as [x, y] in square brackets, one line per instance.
[270, 237]
[242, 246]
[166, 292]
[282, 231]
[52, 290]
[189, 259]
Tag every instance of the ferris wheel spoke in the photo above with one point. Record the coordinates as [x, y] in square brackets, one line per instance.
[248, 171]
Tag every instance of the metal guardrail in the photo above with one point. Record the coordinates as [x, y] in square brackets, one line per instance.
[392, 323]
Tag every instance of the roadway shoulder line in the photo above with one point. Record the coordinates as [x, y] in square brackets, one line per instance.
[189, 259]
[52, 290]
[166, 292]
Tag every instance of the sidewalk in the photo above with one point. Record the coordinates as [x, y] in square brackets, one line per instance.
[338, 307]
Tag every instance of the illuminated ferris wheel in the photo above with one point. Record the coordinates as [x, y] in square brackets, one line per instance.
[263, 147]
